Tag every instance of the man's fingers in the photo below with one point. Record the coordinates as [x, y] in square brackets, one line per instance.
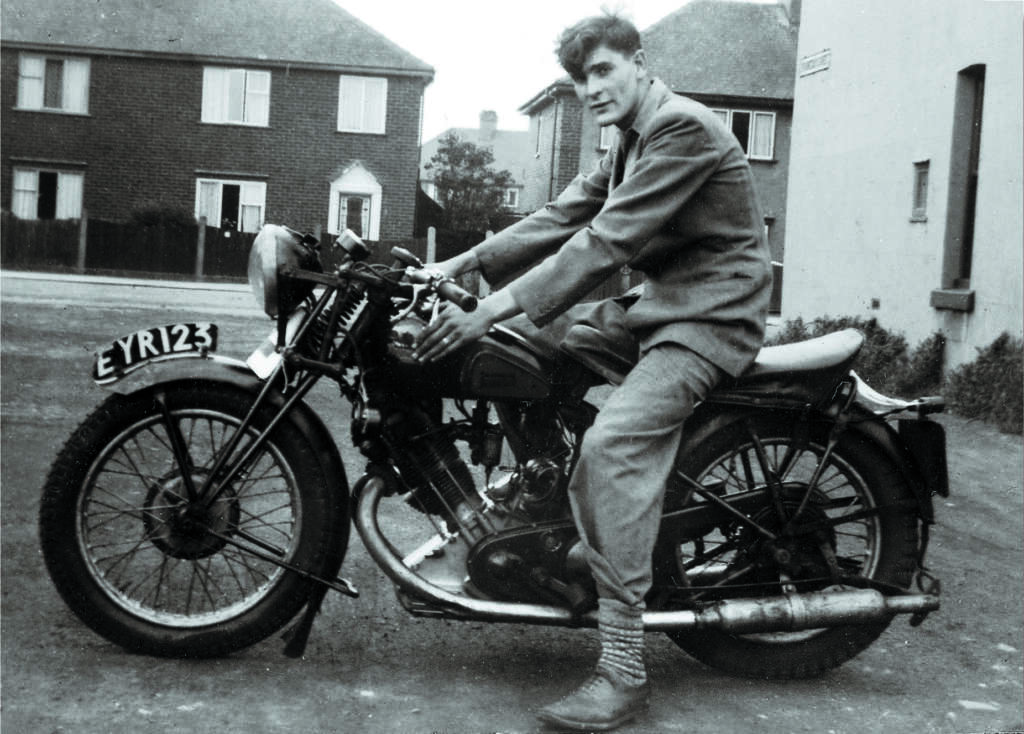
[434, 344]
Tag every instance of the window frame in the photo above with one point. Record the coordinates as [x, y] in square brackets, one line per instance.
[64, 176]
[510, 200]
[217, 104]
[919, 192]
[245, 185]
[727, 116]
[76, 76]
[365, 214]
[365, 126]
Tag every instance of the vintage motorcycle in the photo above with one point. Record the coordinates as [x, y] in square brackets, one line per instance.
[204, 505]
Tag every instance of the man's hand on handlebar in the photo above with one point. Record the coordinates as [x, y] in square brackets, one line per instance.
[453, 328]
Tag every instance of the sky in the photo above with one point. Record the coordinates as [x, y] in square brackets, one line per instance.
[488, 55]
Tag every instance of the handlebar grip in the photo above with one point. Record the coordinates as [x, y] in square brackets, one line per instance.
[452, 291]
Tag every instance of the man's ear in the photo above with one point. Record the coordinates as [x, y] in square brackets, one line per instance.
[640, 61]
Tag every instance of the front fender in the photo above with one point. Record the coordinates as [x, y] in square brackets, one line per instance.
[185, 367]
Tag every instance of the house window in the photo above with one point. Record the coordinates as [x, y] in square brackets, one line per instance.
[53, 83]
[355, 203]
[231, 205]
[46, 194]
[353, 213]
[919, 209]
[236, 96]
[754, 130]
[362, 104]
[511, 198]
[606, 137]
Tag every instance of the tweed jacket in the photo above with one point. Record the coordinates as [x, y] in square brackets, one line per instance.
[673, 199]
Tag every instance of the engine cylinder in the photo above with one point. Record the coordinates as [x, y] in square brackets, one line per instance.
[439, 481]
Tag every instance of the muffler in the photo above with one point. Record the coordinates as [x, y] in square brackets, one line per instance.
[783, 613]
[793, 612]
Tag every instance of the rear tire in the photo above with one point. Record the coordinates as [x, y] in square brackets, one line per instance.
[882, 546]
[156, 573]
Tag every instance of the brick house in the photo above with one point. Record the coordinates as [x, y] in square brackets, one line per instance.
[307, 117]
[738, 58]
[511, 150]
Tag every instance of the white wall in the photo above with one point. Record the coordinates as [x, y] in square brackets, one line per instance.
[885, 102]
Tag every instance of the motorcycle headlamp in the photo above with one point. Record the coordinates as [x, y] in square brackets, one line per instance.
[275, 248]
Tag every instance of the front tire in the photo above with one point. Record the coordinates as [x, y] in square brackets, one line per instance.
[152, 569]
[880, 544]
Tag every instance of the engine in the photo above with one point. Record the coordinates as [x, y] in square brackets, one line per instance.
[438, 480]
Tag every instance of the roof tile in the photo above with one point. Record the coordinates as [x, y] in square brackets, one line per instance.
[311, 32]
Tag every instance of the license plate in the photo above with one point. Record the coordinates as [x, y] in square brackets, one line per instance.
[160, 342]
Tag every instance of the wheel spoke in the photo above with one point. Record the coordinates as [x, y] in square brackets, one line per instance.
[179, 564]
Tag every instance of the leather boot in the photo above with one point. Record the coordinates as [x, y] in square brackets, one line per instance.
[618, 690]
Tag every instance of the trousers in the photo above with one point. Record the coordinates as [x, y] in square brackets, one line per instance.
[618, 486]
[617, 489]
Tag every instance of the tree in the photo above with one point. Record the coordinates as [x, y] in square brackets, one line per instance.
[470, 190]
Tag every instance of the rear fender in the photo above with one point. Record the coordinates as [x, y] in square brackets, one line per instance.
[909, 460]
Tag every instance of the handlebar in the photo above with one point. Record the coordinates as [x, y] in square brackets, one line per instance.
[447, 288]
[452, 291]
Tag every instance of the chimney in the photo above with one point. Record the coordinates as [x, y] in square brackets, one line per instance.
[488, 126]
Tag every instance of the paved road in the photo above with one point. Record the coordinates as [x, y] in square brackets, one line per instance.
[371, 668]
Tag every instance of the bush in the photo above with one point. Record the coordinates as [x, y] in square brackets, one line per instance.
[923, 373]
[991, 388]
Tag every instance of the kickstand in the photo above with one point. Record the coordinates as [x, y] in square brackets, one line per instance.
[298, 635]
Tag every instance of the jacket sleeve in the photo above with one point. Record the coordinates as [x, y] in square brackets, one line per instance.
[677, 158]
[530, 240]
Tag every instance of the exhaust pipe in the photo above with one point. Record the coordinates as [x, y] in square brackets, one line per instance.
[784, 613]
[793, 612]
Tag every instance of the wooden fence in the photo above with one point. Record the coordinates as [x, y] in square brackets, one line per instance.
[201, 252]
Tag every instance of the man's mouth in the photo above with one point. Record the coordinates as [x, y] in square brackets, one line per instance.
[600, 106]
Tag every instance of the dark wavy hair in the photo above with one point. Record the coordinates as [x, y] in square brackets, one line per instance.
[577, 41]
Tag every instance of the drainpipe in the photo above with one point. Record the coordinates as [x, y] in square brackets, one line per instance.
[554, 138]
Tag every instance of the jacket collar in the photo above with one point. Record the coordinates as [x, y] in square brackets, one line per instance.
[653, 98]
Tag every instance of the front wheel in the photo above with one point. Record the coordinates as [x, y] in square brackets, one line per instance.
[152, 567]
[862, 508]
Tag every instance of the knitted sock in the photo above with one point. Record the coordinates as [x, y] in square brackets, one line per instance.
[621, 630]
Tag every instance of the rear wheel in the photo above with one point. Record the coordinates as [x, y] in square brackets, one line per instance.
[155, 569]
[866, 526]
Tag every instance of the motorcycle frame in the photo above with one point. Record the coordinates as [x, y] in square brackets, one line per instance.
[286, 397]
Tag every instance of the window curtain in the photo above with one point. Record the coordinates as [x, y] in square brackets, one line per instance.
[30, 81]
[69, 195]
[76, 85]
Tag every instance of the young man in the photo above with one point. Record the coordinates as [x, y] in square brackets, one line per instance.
[674, 199]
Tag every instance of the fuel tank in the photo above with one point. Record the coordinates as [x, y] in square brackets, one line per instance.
[500, 366]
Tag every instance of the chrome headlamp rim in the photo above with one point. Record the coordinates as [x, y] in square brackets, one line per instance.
[262, 270]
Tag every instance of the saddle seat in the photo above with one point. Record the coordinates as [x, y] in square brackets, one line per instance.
[805, 371]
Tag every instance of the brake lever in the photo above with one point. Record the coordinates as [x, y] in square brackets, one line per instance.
[417, 290]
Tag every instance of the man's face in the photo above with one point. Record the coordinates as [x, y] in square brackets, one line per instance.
[611, 85]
